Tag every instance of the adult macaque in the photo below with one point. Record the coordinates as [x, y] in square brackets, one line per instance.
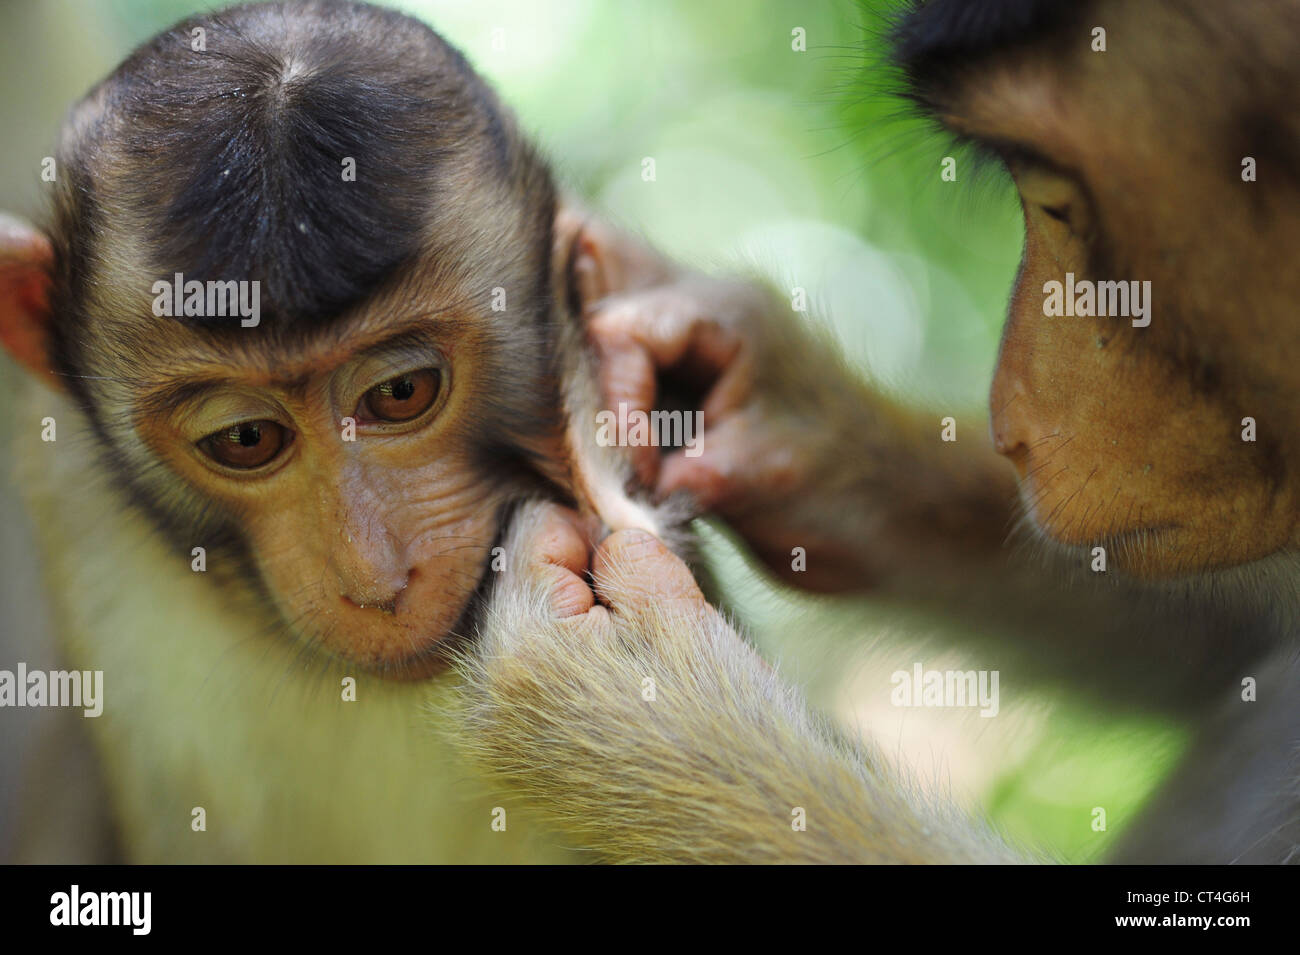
[1171, 443]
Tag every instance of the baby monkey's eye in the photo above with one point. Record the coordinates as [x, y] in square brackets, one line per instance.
[402, 398]
[247, 445]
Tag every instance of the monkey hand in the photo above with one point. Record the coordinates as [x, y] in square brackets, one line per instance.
[635, 717]
[786, 443]
[831, 485]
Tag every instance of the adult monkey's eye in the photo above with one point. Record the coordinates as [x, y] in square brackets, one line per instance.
[247, 445]
[402, 398]
[1057, 195]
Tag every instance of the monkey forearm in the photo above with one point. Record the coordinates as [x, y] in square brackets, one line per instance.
[667, 739]
[818, 459]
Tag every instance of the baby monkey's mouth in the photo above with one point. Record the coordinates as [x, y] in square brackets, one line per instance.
[465, 630]
[438, 652]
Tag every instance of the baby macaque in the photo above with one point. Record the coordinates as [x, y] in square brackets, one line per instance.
[305, 280]
[311, 301]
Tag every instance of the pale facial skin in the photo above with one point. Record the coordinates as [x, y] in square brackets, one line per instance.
[370, 539]
[373, 544]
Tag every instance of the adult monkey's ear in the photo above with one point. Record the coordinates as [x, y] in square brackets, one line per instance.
[25, 259]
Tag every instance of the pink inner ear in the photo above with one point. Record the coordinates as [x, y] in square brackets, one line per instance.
[25, 259]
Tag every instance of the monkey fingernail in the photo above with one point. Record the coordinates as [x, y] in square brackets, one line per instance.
[704, 481]
[635, 565]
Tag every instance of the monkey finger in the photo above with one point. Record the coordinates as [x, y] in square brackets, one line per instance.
[711, 476]
[593, 625]
[633, 567]
[560, 538]
[556, 555]
[733, 389]
[740, 456]
[567, 594]
[672, 324]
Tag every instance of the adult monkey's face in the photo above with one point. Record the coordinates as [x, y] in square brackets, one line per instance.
[1130, 164]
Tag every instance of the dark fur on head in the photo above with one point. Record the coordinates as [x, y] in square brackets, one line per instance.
[239, 147]
[228, 160]
[226, 164]
[929, 39]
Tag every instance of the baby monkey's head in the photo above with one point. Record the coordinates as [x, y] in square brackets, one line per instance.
[302, 284]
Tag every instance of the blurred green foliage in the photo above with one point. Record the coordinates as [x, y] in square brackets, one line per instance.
[799, 164]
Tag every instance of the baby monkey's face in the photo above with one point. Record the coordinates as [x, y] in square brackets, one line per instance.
[363, 470]
[302, 281]
[355, 467]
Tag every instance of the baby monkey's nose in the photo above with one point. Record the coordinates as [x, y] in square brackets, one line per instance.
[378, 597]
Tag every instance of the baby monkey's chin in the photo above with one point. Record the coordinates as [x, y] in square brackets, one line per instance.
[414, 669]
[403, 657]
[403, 646]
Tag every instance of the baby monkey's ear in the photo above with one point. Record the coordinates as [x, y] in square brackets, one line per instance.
[598, 259]
[25, 260]
[593, 261]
